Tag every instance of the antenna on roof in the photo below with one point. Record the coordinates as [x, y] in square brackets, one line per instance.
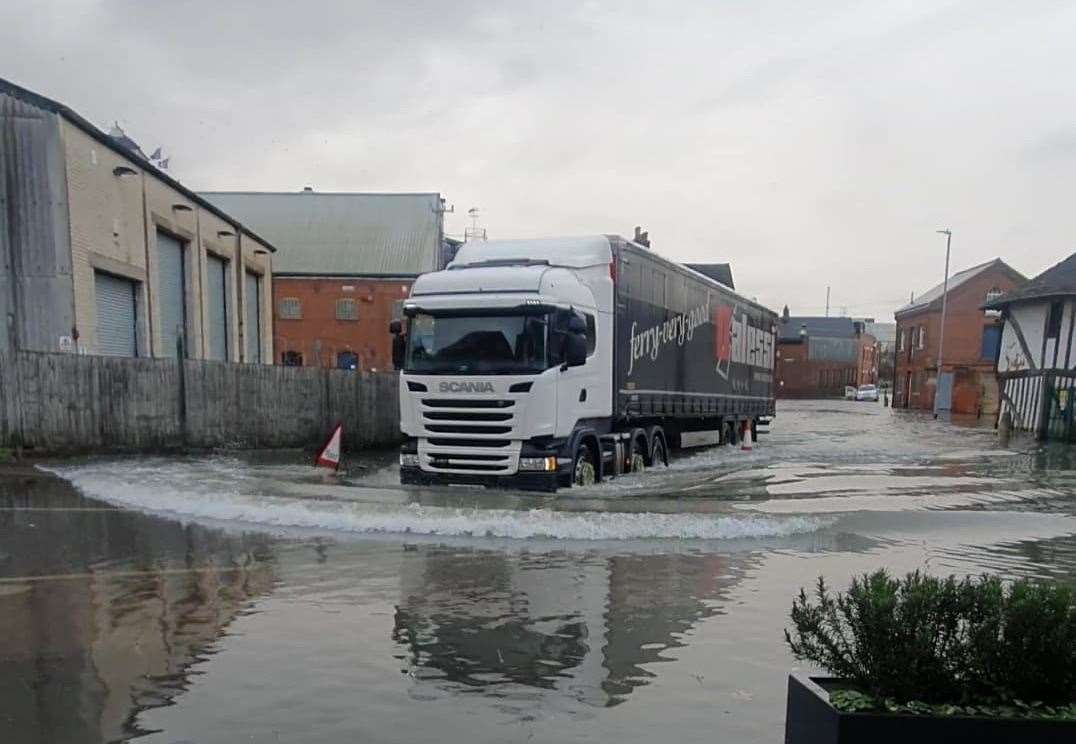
[474, 232]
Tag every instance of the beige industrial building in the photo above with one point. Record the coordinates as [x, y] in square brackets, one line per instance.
[102, 252]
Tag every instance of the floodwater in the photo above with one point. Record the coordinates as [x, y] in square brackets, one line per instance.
[242, 598]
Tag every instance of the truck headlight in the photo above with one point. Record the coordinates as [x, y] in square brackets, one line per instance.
[409, 460]
[538, 463]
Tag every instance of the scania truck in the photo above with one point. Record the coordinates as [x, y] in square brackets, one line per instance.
[544, 363]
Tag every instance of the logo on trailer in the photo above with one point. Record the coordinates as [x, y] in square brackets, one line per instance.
[452, 386]
[737, 341]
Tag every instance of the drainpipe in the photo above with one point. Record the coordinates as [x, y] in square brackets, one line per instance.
[148, 312]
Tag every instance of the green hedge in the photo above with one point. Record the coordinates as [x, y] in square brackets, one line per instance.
[949, 642]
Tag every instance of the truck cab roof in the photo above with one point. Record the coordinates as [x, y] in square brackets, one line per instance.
[574, 252]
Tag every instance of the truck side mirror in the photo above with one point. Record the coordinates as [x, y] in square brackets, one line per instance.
[395, 327]
[575, 349]
[399, 348]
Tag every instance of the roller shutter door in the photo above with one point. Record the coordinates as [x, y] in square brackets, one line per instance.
[171, 293]
[217, 295]
[117, 315]
[252, 318]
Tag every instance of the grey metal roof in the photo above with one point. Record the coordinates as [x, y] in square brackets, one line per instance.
[935, 292]
[343, 233]
[885, 333]
[817, 327]
[135, 156]
[719, 272]
[1057, 281]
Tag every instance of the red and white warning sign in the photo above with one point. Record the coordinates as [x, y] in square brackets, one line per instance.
[329, 454]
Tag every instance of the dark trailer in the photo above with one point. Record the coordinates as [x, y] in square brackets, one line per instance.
[688, 350]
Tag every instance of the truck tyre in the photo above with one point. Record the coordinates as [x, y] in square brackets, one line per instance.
[637, 457]
[658, 453]
[584, 469]
[733, 435]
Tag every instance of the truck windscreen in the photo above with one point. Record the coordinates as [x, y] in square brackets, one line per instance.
[479, 344]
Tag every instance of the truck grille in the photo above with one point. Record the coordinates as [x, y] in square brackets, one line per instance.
[468, 435]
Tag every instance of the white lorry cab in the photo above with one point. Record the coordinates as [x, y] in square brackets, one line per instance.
[549, 362]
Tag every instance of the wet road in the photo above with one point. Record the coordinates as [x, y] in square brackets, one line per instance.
[248, 599]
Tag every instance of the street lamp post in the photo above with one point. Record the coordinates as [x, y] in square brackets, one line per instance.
[945, 298]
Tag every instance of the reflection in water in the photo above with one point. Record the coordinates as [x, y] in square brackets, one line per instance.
[1050, 558]
[121, 608]
[584, 626]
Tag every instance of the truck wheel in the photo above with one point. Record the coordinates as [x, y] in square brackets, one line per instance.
[583, 471]
[657, 453]
[637, 458]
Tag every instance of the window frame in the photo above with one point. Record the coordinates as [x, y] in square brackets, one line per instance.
[286, 301]
[347, 302]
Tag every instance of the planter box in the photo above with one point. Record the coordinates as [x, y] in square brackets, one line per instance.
[810, 719]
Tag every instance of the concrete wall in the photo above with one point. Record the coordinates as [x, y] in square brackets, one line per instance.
[319, 336]
[62, 402]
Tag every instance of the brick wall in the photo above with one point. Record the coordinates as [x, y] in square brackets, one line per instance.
[319, 336]
[801, 377]
[975, 386]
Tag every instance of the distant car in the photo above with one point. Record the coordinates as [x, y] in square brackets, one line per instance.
[849, 392]
[867, 392]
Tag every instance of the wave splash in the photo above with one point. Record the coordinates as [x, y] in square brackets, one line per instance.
[208, 494]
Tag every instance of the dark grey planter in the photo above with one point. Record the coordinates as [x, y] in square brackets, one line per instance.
[810, 719]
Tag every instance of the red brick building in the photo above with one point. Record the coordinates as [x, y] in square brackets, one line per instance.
[336, 322]
[345, 262]
[818, 357]
[972, 336]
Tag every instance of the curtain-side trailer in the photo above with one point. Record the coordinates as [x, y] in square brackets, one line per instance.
[552, 362]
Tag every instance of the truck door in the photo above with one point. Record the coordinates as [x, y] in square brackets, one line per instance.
[579, 391]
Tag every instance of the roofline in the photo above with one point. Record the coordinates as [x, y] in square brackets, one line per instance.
[322, 193]
[40, 101]
[1001, 302]
[342, 275]
[927, 306]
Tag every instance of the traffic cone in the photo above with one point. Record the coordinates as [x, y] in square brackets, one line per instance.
[745, 437]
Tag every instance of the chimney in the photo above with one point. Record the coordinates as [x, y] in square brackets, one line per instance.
[784, 314]
[642, 238]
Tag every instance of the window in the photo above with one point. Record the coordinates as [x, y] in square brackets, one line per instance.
[922, 336]
[902, 339]
[347, 360]
[291, 359]
[915, 383]
[290, 308]
[991, 342]
[1053, 322]
[346, 309]
[592, 333]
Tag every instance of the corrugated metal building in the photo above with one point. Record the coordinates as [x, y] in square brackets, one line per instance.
[345, 262]
[104, 253]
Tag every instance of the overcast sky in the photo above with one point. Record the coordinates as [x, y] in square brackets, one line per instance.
[806, 143]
